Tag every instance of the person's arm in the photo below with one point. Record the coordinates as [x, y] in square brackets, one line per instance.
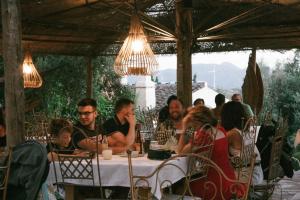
[234, 139]
[118, 139]
[130, 137]
[89, 145]
[182, 147]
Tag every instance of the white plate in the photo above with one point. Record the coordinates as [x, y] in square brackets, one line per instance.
[132, 155]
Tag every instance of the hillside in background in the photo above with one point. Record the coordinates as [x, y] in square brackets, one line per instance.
[227, 75]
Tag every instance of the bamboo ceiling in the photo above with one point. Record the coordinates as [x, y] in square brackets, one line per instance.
[94, 27]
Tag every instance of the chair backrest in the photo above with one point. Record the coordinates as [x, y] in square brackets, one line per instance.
[5, 159]
[241, 163]
[276, 151]
[80, 167]
[76, 167]
[238, 189]
[202, 144]
[140, 183]
[149, 120]
[212, 188]
[248, 136]
[37, 131]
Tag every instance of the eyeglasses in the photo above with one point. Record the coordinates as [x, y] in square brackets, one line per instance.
[84, 113]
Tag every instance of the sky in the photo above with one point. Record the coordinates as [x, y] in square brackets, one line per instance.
[240, 59]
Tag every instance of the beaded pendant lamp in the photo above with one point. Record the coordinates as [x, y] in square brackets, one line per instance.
[31, 77]
[135, 56]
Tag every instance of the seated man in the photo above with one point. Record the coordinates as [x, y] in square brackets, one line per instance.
[199, 102]
[248, 111]
[86, 130]
[164, 112]
[173, 122]
[121, 128]
[121, 132]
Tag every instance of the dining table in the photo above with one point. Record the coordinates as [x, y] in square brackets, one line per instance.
[115, 172]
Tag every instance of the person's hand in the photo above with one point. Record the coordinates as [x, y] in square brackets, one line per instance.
[94, 138]
[130, 119]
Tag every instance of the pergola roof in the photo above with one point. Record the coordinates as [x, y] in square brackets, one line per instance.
[94, 27]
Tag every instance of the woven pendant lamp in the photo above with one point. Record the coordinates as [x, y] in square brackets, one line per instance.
[31, 77]
[135, 56]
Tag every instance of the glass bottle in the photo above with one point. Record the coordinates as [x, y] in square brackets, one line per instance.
[104, 143]
[138, 139]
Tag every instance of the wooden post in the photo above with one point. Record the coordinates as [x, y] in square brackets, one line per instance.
[13, 71]
[89, 80]
[184, 31]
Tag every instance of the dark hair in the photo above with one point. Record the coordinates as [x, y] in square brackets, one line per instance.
[121, 103]
[87, 102]
[197, 101]
[233, 115]
[171, 98]
[57, 126]
[176, 100]
[219, 99]
[236, 95]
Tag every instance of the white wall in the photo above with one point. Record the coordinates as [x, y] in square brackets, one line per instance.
[208, 95]
[145, 92]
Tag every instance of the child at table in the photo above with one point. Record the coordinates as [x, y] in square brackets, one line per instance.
[61, 134]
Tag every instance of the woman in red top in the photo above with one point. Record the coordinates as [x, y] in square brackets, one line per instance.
[197, 117]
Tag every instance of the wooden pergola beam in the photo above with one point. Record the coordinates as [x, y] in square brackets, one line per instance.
[89, 79]
[184, 31]
[13, 71]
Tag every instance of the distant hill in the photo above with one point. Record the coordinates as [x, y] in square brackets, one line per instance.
[227, 75]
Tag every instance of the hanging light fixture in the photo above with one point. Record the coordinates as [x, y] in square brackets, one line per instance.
[31, 77]
[135, 56]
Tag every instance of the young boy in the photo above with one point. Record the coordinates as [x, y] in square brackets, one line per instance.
[61, 133]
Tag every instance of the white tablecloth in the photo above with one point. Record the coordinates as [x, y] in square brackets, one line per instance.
[115, 172]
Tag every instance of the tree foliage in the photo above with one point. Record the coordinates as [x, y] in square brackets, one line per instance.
[283, 94]
[64, 84]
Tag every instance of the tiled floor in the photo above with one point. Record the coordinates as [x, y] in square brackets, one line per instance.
[288, 189]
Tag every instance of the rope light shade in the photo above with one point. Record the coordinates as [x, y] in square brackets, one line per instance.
[32, 79]
[135, 56]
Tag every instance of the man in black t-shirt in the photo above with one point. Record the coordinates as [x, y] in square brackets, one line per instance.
[86, 131]
[121, 128]
[121, 132]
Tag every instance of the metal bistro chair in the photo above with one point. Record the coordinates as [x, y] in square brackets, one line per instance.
[238, 189]
[193, 171]
[149, 119]
[242, 163]
[139, 185]
[5, 159]
[75, 168]
[274, 168]
[37, 131]
[203, 147]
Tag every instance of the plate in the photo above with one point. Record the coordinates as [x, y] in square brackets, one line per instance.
[132, 155]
